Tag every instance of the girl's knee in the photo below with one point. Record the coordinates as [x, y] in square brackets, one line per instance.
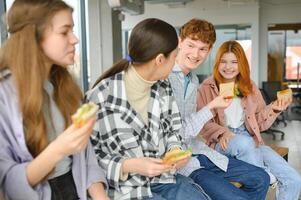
[242, 144]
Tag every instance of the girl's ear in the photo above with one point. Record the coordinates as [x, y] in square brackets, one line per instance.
[160, 58]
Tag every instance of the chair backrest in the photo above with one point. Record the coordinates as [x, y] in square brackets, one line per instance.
[270, 88]
[264, 95]
[202, 77]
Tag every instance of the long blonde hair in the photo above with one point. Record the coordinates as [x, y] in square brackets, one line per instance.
[22, 55]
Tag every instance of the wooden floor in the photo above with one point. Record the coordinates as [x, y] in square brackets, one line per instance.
[292, 140]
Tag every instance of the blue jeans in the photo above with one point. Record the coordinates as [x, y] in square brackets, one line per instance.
[183, 189]
[242, 147]
[217, 184]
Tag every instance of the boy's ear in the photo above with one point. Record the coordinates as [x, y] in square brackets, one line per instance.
[159, 59]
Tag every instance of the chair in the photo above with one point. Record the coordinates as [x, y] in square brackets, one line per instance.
[297, 108]
[201, 77]
[268, 100]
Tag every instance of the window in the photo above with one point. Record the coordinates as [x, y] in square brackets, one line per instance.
[284, 53]
[292, 55]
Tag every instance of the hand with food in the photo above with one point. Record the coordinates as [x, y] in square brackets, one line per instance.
[227, 90]
[176, 155]
[84, 113]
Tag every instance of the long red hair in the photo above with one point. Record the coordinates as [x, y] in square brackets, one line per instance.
[243, 79]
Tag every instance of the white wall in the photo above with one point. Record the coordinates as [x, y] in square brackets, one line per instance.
[100, 41]
[221, 13]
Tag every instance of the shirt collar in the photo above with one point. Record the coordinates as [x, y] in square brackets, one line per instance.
[177, 69]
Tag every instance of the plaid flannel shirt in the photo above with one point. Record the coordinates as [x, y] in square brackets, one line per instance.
[120, 133]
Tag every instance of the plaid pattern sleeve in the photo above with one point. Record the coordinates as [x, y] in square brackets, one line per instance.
[174, 138]
[110, 162]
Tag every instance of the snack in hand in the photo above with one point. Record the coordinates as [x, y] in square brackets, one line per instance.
[175, 155]
[227, 90]
[285, 95]
[84, 113]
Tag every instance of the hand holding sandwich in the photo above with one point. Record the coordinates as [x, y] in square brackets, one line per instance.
[284, 99]
[219, 102]
[177, 158]
[73, 139]
[145, 166]
[150, 167]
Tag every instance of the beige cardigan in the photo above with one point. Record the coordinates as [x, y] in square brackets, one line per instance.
[258, 116]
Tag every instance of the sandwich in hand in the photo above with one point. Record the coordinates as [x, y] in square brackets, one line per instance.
[175, 155]
[84, 113]
[227, 90]
[285, 95]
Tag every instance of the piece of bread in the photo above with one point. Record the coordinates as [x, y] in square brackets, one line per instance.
[227, 90]
[84, 113]
[285, 95]
[175, 155]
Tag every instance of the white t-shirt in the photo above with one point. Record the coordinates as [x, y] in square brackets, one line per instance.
[234, 113]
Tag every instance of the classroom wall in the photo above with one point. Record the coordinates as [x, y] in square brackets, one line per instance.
[258, 15]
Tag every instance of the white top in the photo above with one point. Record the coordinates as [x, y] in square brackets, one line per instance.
[234, 113]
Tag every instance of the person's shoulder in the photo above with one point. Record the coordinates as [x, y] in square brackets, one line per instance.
[102, 89]
[255, 88]
[164, 85]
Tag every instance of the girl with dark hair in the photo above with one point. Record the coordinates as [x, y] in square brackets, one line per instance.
[235, 131]
[42, 154]
[138, 120]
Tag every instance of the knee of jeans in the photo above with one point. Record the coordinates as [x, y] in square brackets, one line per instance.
[242, 144]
